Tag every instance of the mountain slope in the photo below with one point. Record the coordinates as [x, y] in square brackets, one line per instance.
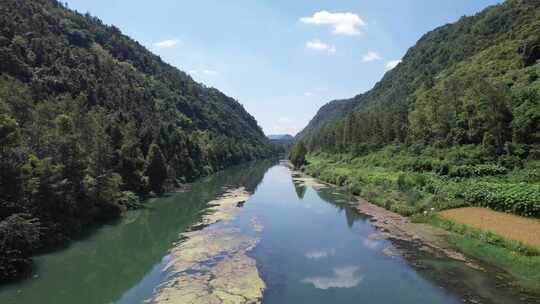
[471, 82]
[90, 121]
[328, 113]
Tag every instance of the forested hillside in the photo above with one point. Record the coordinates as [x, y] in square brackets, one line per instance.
[472, 82]
[91, 121]
[328, 113]
[457, 122]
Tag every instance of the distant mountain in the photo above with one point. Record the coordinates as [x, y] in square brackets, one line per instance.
[285, 140]
[281, 137]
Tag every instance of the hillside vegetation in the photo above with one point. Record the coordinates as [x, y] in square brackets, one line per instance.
[463, 106]
[328, 113]
[456, 123]
[91, 122]
[472, 82]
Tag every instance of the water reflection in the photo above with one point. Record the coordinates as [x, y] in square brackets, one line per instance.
[371, 244]
[315, 248]
[319, 254]
[114, 258]
[300, 189]
[343, 277]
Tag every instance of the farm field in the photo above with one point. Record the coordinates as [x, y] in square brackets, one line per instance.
[506, 225]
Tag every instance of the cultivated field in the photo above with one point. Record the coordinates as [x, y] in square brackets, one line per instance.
[509, 226]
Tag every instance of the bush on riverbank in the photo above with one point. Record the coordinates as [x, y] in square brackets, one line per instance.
[409, 183]
[522, 198]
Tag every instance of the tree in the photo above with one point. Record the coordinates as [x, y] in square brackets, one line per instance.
[297, 156]
[156, 169]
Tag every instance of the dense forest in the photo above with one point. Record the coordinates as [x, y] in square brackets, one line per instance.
[456, 123]
[328, 113]
[472, 82]
[91, 122]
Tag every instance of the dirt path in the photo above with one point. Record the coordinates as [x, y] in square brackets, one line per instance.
[509, 226]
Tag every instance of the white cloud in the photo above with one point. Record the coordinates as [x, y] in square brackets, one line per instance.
[308, 94]
[210, 72]
[320, 46]
[170, 43]
[343, 23]
[344, 277]
[392, 64]
[371, 244]
[193, 72]
[371, 56]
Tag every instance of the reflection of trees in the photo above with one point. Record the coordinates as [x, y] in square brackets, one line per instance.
[351, 213]
[300, 189]
[248, 175]
[115, 258]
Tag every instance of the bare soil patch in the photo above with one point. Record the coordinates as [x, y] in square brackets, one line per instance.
[509, 226]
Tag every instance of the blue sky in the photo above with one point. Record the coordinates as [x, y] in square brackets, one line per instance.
[282, 59]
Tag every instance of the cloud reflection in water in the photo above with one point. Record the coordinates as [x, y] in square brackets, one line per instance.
[344, 277]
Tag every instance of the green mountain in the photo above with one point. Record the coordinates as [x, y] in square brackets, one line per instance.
[328, 113]
[91, 121]
[455, 124]
[280, 137]
[475, 82]
[281, 142]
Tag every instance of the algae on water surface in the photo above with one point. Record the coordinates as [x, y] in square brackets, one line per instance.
[211, 265]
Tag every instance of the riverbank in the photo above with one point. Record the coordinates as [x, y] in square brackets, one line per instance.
[419, 197]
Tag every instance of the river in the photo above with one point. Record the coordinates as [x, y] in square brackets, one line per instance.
[314, 248]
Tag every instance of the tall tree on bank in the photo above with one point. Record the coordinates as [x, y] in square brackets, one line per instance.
[297, 155]
[156, 169]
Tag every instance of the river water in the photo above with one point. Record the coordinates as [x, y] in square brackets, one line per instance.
[315, 248]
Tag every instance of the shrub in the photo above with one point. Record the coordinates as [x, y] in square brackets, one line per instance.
[129, 200]
[403, 209]
[355, 187]
[404, 183]
[529, 174]
[478, 170]
[19, 236]
[521, 198]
